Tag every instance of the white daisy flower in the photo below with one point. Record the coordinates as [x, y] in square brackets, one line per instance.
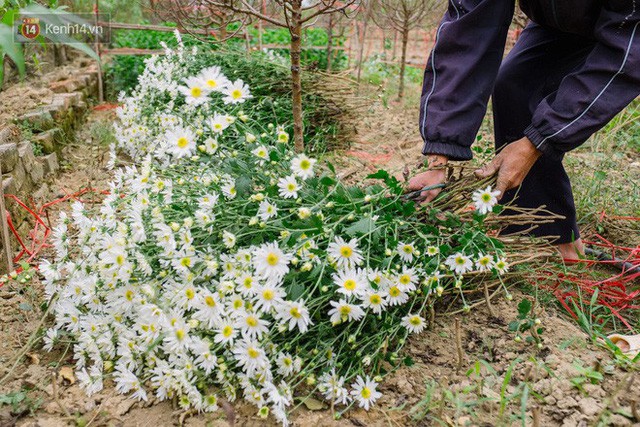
[250, 356]
[406, 251]
[501, 265]
[345, 254]
[459, 263]
[229, 239]
[180, 142]
[236, 92]
[484, 262]
[302, 166]
[218, 123]
[268, 296]
[251, 325]
[485, 200]
[194, 91]
[225, 332]
[288, 187]
[342, 311]
[350, 281]
[332, 387]
[407, 279]
[213, 79]
[270, 262]
[295, 313]
[433, 250]
[397, 296]
[261, 152]
[267, 210]
[413, 323]
[364, 392]
[287, 364]
[374, 300]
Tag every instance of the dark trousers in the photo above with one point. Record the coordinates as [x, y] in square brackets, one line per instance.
[533, 70]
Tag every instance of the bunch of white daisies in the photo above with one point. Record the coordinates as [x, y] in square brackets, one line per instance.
[225, 263]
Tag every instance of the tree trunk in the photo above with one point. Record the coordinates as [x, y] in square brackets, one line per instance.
[362, 42]
[329, 43]
[296, 80]
[395, 44]
[403, 60]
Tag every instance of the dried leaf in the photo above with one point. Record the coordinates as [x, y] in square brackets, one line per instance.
[314, 404]
[66, 373]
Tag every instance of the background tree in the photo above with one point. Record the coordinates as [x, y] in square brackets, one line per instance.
[403, 16]
[294, 15]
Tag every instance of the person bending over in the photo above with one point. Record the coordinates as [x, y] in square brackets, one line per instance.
[574, 67]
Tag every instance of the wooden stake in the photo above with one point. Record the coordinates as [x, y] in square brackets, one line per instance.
[5, 229]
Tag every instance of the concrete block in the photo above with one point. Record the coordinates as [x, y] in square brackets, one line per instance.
[19, 175]
[62, 86]
[48, 140]
[9, 184]
[36, 172]
[8, 157]
[49, 163]
[9, 134]
[40, 119]
[25, 152]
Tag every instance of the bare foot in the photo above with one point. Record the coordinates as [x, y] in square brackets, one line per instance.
[571, 251]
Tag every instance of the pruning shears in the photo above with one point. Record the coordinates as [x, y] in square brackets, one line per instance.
[415, 195]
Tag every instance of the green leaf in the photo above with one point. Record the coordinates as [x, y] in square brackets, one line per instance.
[361, 226]
[524, 308]
[11, 49]
[327, 181]
[408, 361]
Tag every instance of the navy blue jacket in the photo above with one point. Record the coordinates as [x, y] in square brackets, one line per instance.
[464, 62]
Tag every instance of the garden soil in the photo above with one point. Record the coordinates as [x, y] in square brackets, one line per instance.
[432, 380]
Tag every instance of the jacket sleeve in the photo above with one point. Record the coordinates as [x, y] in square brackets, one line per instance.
[460, 74]
[592, 95]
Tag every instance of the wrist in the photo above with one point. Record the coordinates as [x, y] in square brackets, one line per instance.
[434, 160]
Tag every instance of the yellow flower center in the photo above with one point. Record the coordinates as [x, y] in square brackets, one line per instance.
[295, 312]
[252, 321]
[394, 291]
[212, 83]
[237, 304]
[248, 282]
[227, 331]
[129, 295]
[183, 142]
[291, 187]
[375, 299]
[196, 92]
[407, 249]
[346, 251]
[415, 321]
[287, 362]
[460, 261]
[190, 293]
[405, 279]
[180, 334]
[236, 94]
[210, 301]
[253, 353]
[120, 259]
[365, 393]
[272, 259]
[486, 197]
[305, 164]
[267, 294]
[349, 284]
[345, 310]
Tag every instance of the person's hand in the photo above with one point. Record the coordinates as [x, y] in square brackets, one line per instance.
[512, 164]
[434, 175]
